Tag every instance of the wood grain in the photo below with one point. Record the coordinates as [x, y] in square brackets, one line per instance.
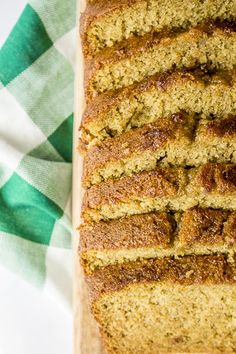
[86, 334]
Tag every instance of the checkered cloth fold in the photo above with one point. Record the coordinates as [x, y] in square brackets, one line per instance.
[36, 119]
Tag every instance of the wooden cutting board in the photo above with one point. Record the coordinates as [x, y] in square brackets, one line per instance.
[86, 334]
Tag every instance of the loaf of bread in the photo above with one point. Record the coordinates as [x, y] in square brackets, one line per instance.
[158, 137]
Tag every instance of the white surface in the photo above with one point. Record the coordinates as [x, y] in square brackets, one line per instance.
[30, 323]
[9, 12]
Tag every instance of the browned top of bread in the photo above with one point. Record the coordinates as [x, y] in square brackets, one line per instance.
[157, 183]
[150, 137]
[163, 182]
[186, 271]
[196, 226]
[222, 128]
[207, 226]
[154, 229]
[220, 178]
[104, 102]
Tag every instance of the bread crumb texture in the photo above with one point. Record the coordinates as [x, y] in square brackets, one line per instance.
[132, 60]
[184, 305]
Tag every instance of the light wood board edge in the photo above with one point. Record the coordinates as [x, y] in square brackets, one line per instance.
[86, 334]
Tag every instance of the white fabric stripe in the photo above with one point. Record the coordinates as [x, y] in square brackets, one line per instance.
[66, 45]
[16, 126]
[61, 235]
[59, 275]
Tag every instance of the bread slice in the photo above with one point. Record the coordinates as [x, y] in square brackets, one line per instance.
[132, 60]
[176, 188]
[115, 112]
[181, 139]
[105, 23]
[196, 231]
[184, 305]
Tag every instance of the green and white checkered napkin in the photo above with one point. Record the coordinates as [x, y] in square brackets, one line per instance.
[36, 118]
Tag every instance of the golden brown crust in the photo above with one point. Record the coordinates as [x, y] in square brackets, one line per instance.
[103, 103]
[135, 46]
[157, 183]
[148, 138]
[230, 229]
[220, 178]
[163, 182]
[185, 271]
[206, 227]
[156, 235]
[197, 226]
[154, 137]
[222, 128]
[154, 229]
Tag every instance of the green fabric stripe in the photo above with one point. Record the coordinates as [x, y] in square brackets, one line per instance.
[26, 43]
[52, 179]
[46, 151]
[27, 212]
[61, 139]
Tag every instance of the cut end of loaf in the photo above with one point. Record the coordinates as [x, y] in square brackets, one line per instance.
[192, 319]
[157, 303]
